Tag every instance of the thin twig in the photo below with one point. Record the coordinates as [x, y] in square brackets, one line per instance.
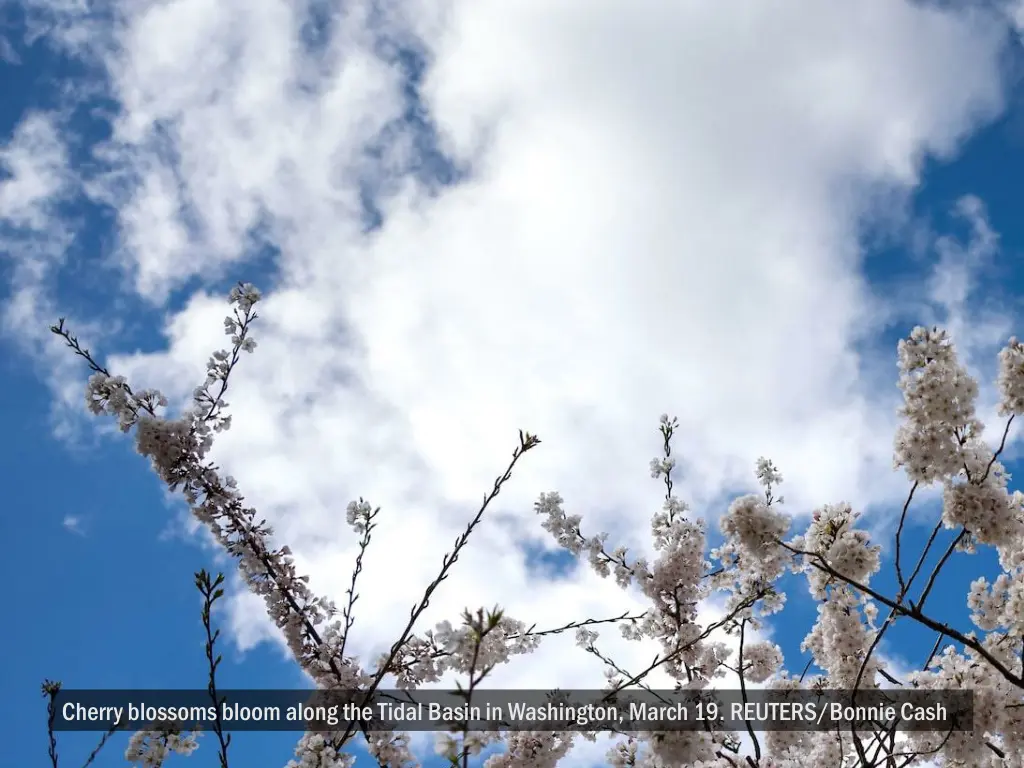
[743, 692]
[364, 542]
[531, 632]
[50, 690]
[899, 536]
[212, 591]
[526, 442]
[110, 732]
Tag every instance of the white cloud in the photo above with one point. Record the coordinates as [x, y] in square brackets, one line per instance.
[35, 181]
[956, 281]
[662, 215]
[73, 523]
[34, 162]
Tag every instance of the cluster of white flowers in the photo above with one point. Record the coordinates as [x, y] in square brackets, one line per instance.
[471, 744]
[753, 557]
[997, 716]
[839, 639]
[1011, 378]
[939, 401]
[939, 441]
[448, 648]
[624, 754]
[999, 605]
[150, 747]
[566, 530]
[696, 748]
[761, 660]
[537, 749]
[832, 539]
[358, 515]
[978, 501]
[314, 750]
[753, 530]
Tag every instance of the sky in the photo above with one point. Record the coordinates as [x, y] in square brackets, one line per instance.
[470, 217]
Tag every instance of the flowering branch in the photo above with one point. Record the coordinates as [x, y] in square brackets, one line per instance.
[361, 518]
[820, 564]
[178, 447]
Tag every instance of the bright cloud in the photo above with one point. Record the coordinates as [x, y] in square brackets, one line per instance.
[34, 181]
[661, 212]
[73, 523]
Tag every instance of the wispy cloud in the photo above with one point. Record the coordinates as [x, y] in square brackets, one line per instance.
[33, 237]
[8, 54]
[955, 280]
[73, 523]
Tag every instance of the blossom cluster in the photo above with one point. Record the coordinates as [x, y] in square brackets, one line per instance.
[150, 747]
[939, 441]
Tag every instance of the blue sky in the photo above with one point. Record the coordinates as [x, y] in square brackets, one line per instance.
[462, 232]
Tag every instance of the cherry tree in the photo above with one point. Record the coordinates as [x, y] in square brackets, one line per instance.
[938, 443]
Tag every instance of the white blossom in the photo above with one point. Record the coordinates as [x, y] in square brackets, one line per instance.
[149, 748]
